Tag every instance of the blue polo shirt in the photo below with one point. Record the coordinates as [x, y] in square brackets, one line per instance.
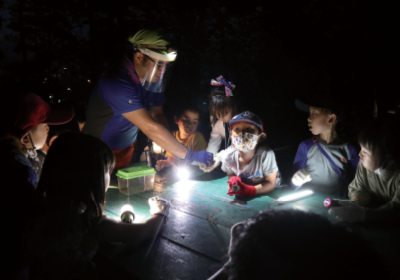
[119, 91]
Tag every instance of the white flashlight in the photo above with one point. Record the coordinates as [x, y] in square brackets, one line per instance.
[293, 197]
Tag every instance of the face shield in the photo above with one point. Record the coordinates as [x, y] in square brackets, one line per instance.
[157, 67]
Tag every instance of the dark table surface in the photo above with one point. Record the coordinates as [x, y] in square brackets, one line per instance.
[194, 242]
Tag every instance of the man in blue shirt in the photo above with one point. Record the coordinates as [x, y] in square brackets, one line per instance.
[130, 97]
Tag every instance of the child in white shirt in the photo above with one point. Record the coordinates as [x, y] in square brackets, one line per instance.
[251, 167]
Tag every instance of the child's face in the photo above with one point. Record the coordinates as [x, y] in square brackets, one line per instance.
[39, 136]
[226, 117]
[245, 127]
[319, 120]
[187, 123]
[246, 143]
[368, 159]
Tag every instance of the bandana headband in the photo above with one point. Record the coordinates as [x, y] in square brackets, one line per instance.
[220, 81]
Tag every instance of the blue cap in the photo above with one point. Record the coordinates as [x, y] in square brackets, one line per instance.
[247, 116]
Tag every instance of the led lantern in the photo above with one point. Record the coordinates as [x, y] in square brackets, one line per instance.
[127, 215]
[293, 197]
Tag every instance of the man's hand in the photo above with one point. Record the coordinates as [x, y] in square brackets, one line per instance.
[159, 206]
[203, 157]
[217, 161]
[301, 177]
[244, 189]
[349, 211]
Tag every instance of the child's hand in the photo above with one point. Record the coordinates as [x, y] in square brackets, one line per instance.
[161, 164]
[159, 206]
[301, 177]
[244, 189]
[349, 211]
[217, 161]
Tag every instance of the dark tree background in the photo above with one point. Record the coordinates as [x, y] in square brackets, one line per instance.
[273, 52]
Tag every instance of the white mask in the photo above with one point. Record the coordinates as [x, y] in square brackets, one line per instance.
[244, 141]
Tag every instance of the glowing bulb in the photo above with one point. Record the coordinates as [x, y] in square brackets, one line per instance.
[127, 215]
[183, 174]
[126, 208]
[293, 197]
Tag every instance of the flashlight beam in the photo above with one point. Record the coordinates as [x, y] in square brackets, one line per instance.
[293, 197]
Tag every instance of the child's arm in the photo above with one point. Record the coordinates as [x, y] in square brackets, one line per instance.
[300, 160]
[358, 189]
[267, 185]
[113, 231]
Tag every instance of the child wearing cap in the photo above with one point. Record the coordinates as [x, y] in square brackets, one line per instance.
[187, 119]
[375, 191]
[251, 166]
[325, 163]
[23, 129]
[53, 132]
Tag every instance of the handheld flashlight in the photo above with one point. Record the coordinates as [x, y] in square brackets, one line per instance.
[329, 202]
[127, 215]
[293, 197]
[183, 174]
[235, 188]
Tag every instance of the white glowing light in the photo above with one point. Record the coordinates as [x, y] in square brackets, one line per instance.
[294, 196]
[183, 174]
[184, 188]
[156, 148]
[126, 208]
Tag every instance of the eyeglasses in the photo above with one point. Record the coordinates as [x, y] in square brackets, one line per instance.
[159, 66]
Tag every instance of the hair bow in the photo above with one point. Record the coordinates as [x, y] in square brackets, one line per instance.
[220, 81]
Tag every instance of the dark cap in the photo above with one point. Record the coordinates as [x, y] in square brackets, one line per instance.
[247, 116]
[28, 111]
[318, 101]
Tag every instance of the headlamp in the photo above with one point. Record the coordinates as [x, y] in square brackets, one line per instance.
[159, 56]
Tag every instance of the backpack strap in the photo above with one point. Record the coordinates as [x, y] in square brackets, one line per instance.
[330, 160]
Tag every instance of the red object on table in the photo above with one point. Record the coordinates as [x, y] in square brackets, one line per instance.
[244, 190]
[329, 202]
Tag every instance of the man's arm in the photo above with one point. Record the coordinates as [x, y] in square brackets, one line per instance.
[157, 113]
[156, 132]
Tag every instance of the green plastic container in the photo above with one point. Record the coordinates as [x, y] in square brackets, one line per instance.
[136, 179]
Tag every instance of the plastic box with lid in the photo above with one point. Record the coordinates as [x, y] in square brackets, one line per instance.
[135, 179]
